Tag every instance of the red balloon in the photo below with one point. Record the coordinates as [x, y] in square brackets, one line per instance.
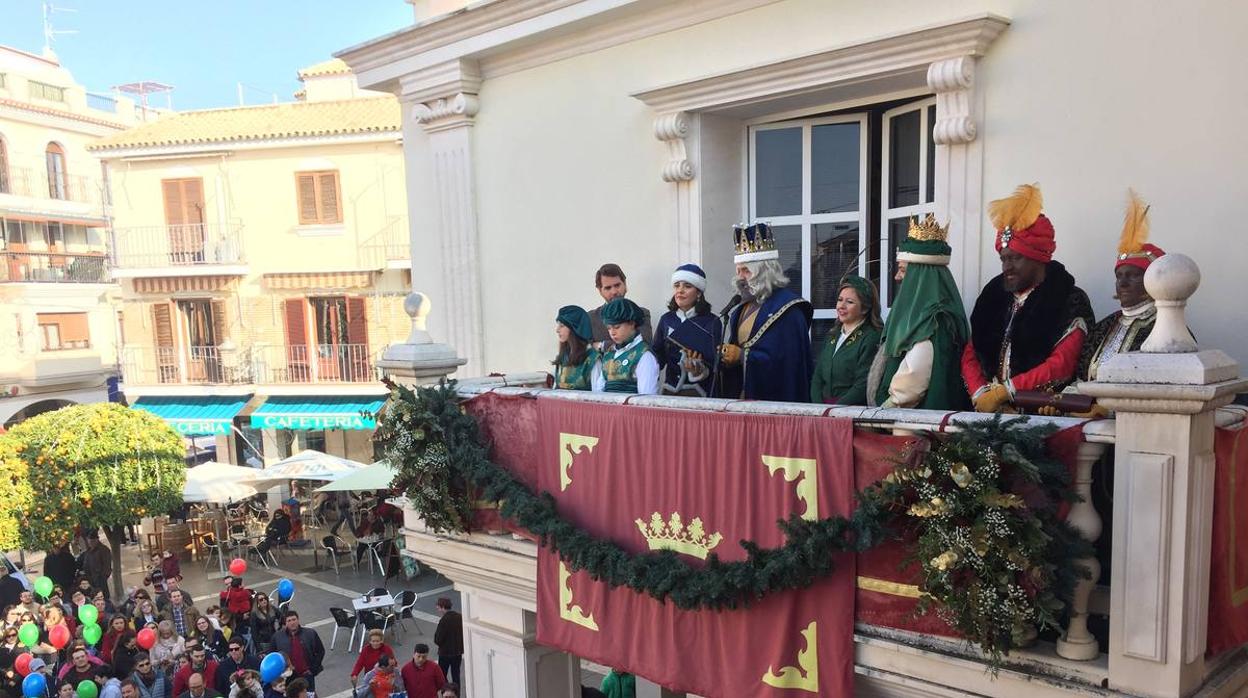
[58, 636]
[147, 638]
[22, 663]
[238, 567]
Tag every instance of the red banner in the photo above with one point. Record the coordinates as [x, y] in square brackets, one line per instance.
[697, 482]
[1228, 564]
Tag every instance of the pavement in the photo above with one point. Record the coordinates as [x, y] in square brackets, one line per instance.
[316, 591]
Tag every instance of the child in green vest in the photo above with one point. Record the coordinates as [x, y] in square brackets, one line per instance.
[577, 360]
[628, 366]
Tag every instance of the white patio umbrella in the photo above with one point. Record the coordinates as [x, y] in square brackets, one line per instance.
[310, 465]
[374, 477]
[219, 483]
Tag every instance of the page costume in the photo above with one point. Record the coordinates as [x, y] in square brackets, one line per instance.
[630, 368]
[575, 376]
[683, 332]
[840, 376]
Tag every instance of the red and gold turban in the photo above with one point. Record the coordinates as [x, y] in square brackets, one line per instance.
[1021, 226]
[1133, 247]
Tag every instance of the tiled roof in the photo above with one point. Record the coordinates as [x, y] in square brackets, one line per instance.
[241, 124]
[333, 66]
[27, 106]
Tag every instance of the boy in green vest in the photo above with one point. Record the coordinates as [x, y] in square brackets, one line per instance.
[628, 367]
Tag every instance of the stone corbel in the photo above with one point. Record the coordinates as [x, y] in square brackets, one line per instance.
[672, 129]
[448, 112]
[953, 81]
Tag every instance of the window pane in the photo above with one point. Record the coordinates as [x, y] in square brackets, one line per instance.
[931, 155]
[898, 228]
[819, 331]
[789, 243]
[778, 172]
[835, 166]
[834, 251]
[903, 160]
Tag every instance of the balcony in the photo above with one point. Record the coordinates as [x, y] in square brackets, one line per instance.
[313, 365]
[318, 365]
[82, 195]
[178, 250]
[388, 248]
[53, 267]
[192, 365]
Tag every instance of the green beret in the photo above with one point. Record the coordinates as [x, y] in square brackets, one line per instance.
[576, 319]
[621, 310]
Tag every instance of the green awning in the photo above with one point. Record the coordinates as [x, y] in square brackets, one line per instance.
[298, 413]
[195, 415]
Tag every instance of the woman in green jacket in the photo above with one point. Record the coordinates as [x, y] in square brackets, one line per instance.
[841, 375]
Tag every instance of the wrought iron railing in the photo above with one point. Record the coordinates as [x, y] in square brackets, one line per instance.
[192, 244]
[40, 184]
[317, 363]
[185, 365]
[53, 267]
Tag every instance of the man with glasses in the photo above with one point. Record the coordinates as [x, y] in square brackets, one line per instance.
[148, 679]
[236, 658]
[200, 665]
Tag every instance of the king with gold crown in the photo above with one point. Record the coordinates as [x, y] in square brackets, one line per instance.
[916, 365]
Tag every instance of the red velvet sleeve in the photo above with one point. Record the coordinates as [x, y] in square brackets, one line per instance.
[972, 372]
[1058, 368]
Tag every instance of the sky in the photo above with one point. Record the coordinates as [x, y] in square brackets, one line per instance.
[202, 48]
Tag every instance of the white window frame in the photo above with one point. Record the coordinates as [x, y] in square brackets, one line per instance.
[888, 213]
[805, 219]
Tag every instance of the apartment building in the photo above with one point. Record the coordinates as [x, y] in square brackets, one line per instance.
[58, 330]
[262, 258]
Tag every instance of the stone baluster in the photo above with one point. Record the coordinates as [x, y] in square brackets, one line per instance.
[1077, 643]
[1164, 399]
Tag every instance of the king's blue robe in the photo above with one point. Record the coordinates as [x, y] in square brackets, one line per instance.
[776, 359]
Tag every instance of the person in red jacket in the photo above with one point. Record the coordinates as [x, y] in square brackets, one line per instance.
[236, 599]
[421, 677]
[374, 650]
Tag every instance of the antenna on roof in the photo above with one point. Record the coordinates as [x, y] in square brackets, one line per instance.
[242, 86]
[145, 88]
[50, 34]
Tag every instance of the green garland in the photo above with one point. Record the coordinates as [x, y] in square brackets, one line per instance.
[1019, 578]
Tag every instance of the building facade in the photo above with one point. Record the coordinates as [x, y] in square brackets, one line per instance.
[262, 259]
[58, 329]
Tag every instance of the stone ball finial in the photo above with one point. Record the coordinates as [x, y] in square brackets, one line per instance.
[417, 306]
[1173, 277]
[1171, 280]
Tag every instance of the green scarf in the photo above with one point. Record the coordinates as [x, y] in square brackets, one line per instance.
[927, 292]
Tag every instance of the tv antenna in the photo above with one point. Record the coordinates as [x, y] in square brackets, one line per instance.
[50, 34]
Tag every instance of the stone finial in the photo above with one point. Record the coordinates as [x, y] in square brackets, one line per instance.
[419, 360]
[1171, 280]
[417, 306]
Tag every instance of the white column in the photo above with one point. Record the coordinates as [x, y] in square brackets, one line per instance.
[1163, 494]
[1077, 642]
[501, 657]
[444, 102]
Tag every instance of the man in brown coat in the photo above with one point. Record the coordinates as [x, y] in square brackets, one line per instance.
[449, 637]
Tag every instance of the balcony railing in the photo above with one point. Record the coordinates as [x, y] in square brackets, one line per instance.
[195, 244]
[39, 184]
[53, 267]
[388, 247]
[318, 363]
[184, 366]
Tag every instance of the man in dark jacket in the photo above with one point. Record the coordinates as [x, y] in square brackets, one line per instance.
[304, 648]
[60, 566]
[235, 658]
[449, 637]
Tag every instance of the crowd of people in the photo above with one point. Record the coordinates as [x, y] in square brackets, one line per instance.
[1030, 337]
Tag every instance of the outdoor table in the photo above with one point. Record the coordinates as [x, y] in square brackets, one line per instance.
[363, 606]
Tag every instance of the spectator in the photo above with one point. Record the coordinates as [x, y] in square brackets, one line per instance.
[235, 597]
[66, 691]
[10, 587]
[26, 602]
[169, 644]
[236, 660]
[103, 605]
[297, 688]
[60, 566]
[449, 691]
[421, 677]
[246, 684]
[126, 607]
[449, 637]
[276, 689]
[201, 664]
[263, 623]
[124, 655]
[181, 613]
[145, 612]
[381, 681]
[130, 689]
[197, 688]
[162, 600]
[211, 638]
[10, 680]
[148, 678]
[277, 532]
[82, 669]
[111, 688]
[374, 650]
[304, 648]
[117, 627]
[97, 563]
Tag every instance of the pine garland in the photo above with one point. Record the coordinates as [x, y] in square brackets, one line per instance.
[1021, 577]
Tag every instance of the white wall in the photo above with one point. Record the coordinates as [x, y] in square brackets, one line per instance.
[1084, 98]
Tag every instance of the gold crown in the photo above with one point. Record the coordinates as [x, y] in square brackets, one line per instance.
[928, 229]
[753, 238]
[674, 535]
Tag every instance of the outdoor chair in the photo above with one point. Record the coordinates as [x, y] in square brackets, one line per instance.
[376, 619]
[340, 543]
[343, 619]
[377, 591]
[212, 546]
[403, 605]
[330, 545]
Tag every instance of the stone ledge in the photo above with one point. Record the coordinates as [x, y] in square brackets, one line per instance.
[1198, 368]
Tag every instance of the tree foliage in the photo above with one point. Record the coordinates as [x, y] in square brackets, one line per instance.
[14, 493]
[95, 465]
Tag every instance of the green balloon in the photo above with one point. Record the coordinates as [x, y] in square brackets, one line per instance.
[88, 614]
[43, 586]
[28, 634]
[92, 632]
[88, 689]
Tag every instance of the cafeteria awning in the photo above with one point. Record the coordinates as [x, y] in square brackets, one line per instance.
[197, 415]
[302, 413]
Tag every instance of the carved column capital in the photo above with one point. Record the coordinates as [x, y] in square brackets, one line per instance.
[673, 129]
[454, 111]
[953, 81]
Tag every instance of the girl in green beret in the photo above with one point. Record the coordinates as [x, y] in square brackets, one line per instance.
[576, 360]
[840, 377]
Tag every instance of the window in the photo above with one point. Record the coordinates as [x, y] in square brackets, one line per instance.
[62, 331]
[3, 83]
[319, 200]
[838, 191]
[58, 184]
[42, 90]
[335, 344]
[4, 163]
[184, 219]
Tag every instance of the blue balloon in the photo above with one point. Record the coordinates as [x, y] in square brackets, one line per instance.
[285, 589]
[35, 685]
[272, 666]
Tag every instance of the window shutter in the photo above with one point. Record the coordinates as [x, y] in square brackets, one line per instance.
[193, 198]
[162, 324]
[296, 325]
[306, 189]
[219, 325]
[175, 208]
[328, 190]
[357, 321]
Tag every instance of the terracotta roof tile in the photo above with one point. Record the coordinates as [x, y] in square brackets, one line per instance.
[241, 124]
[333, 66]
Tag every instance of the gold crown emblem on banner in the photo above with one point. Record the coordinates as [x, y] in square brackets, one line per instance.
[674, 535]
[927, 229]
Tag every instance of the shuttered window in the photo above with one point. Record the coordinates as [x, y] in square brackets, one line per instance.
[167, 362]
[64, 331]
[319, 199]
